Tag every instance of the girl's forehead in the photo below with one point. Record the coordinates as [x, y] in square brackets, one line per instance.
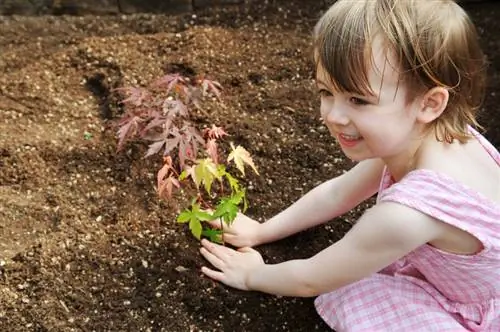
[381, 68]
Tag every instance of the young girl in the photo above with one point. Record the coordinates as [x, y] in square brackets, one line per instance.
[400, 84]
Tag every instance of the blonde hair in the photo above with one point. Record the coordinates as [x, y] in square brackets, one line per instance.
[433, 41]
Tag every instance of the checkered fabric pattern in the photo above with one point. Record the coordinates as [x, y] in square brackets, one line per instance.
[429, 289]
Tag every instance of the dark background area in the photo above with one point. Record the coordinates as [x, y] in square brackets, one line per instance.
[85, 244]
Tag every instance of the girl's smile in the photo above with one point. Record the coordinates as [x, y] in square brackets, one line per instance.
[349, 141]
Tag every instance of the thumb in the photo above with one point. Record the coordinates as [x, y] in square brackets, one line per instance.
[246, 250]
[217, 223]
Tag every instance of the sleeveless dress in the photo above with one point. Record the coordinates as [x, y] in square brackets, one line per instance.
[429, 289]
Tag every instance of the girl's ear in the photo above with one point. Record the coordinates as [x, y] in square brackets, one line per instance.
[433, 104]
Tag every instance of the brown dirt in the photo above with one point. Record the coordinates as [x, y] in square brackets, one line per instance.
[85, 243]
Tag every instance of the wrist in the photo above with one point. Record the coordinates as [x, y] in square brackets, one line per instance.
[260, 236]
[251, 280]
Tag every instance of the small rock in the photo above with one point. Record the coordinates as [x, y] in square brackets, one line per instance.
[181, 269]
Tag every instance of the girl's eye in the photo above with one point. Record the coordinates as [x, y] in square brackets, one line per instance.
[358, 101]
[324, 93]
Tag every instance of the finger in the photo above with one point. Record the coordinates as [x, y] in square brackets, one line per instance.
[217, 249]
[212, 259]
[226, 237]
[216, 275]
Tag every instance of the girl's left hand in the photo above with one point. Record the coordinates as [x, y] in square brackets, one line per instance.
[234, 265]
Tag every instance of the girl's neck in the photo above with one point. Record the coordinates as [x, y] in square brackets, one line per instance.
[406, 161]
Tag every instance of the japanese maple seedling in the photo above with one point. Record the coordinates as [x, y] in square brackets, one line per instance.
[161, 114]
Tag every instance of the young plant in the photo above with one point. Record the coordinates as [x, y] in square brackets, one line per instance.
[161, 114]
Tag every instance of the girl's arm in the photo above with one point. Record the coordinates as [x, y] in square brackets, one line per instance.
[325, 202]
[383, 234]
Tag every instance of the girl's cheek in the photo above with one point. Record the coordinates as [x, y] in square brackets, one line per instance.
[322, 114]
[323, 110]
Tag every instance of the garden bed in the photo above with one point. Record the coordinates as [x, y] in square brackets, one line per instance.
[85, 244]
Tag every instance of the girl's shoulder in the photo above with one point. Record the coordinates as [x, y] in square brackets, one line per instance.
[472, 168]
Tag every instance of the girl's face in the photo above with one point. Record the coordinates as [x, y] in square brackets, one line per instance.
[379, 126]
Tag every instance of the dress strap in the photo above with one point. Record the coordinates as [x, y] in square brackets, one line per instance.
[442, 197]
[493, 152]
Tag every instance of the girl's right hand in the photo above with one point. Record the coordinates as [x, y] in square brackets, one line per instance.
[243, 232]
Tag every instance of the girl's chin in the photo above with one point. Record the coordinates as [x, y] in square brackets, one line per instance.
[355, 157]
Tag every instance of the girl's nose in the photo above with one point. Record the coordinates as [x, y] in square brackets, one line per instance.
[335, 115]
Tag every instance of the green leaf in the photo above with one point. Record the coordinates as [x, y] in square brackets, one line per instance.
[184, 217]
[221, 170]
[226, 210]
[206, 172]
[201, 214]
[233, 182]
[195, 227]
[194, 216]
[245, 204]
[237, 197]
[183, 175]
[214, 235]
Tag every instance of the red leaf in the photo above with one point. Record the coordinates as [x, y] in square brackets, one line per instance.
[182, 153]
[172, 108]
[211, 86]
[167, 167]
[128, 128]
[166, 187]
[214, 132]
[157, 121]
[136, 96]
[170, 80]
[154, 148]
[171, 144]
[211, 147]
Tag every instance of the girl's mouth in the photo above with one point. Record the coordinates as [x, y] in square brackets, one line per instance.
[349, 140]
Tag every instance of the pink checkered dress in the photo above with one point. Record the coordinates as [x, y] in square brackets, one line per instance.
[429, 289]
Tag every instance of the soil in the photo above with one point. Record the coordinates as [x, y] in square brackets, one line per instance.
[86, 245]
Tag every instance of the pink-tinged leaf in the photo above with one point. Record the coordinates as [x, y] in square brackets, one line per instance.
[153, 136]
[128, 128]
[214, 132]
[157, 121]
[170, 144]
[170, 80]
[193, 133]
[165, 188]
[167, 167]
[154, 148]
[211, 148]
[167, 130]
[189, 153]
[214, 87]
[182, 153]
[172, 108]
[136, 96]
[192, 139]
[193, 96]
